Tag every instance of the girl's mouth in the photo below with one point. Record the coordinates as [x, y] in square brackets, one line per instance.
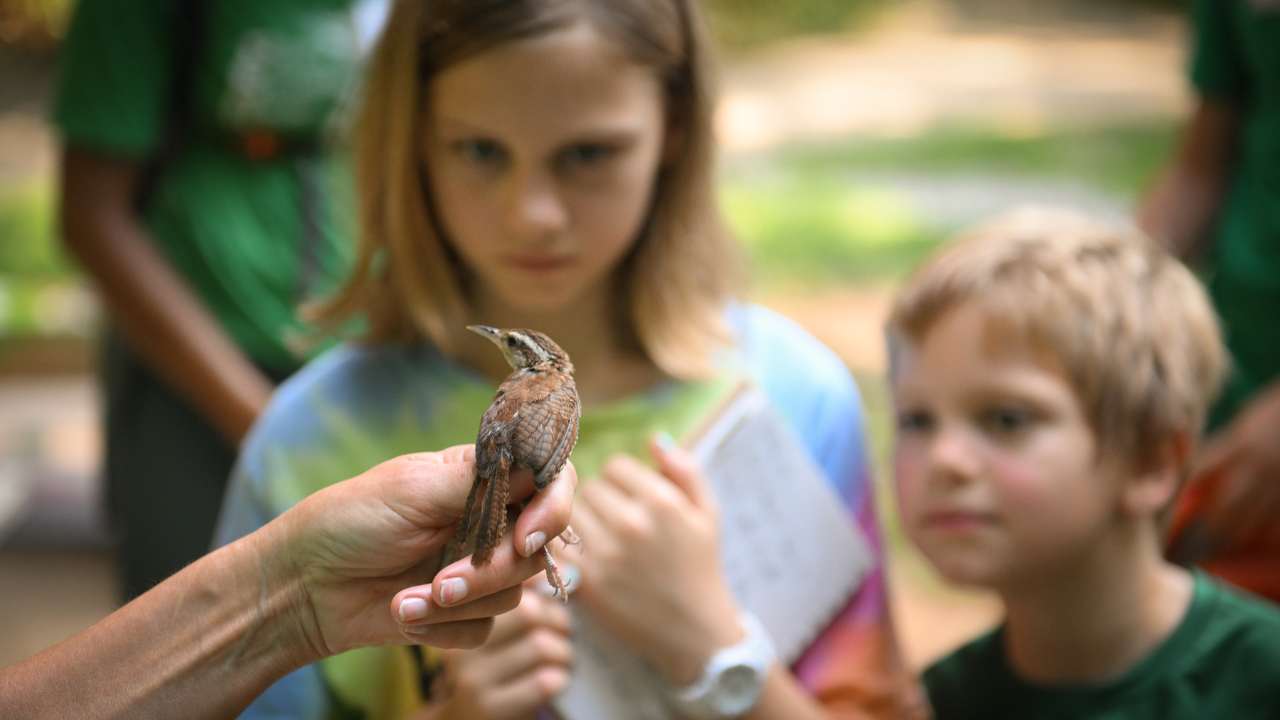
[540, 263]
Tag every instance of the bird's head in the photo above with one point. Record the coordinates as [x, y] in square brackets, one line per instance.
[525, 349]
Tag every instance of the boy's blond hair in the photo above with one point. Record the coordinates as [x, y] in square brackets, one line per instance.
[408, 283]
[1128, 324]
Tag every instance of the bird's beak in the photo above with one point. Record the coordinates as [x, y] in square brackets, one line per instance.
[486, 331]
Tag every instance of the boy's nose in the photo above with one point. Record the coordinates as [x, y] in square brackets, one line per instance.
[953, 457]
[536, 209]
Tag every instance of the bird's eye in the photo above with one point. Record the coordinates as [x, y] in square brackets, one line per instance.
[512, 342]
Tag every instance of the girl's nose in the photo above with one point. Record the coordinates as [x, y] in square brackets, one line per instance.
[536, 211]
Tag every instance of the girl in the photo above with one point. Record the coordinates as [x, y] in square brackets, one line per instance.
[548, 164]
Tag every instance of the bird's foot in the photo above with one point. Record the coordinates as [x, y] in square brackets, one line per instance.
[559, 588]
[569, 537]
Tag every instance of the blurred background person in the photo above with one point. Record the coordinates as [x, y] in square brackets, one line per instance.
[203, 192]
[1217, 206]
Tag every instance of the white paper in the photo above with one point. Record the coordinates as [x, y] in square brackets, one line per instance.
[790, 552]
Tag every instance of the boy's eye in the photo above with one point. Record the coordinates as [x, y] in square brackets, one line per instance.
[1005, 420]
[914, 421]
[480, 151]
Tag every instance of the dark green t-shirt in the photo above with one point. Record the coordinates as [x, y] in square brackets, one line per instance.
[1236, 58]
[1222, 661]
[254, 238]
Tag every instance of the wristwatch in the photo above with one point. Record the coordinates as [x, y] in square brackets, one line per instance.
[732, 679]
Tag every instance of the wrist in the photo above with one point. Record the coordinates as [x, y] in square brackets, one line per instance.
[284, 611]
[693, 645]
[733, 679]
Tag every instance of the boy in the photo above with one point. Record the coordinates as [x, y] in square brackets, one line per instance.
[1050, 376]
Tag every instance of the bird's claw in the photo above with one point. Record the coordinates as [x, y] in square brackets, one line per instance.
[569, 537]
[559, 589]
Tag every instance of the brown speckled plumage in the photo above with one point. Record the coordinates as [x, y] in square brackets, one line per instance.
[531, 423]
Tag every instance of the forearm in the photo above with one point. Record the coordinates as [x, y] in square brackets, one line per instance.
[152, 305]
[165, 324]
[202, 644]
[784, 698]
[1180, 209]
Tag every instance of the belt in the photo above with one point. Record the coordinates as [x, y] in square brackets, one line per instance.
[261, 144]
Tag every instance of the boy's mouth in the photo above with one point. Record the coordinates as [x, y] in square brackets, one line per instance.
[957, 520]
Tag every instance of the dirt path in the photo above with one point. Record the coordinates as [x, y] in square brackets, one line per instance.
[925, 66]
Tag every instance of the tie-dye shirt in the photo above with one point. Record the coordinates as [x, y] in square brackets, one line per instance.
[357, 406]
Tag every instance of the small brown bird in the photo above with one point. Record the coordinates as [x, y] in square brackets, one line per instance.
[531, 423]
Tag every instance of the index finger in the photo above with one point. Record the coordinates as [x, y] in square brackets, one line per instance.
[547, 514]
[464, 582]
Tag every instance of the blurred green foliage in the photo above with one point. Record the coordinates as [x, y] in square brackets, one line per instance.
[805, 227]
[1115, 158]
[745, 24]
[807, 219]
[26, 222]
[35, 276]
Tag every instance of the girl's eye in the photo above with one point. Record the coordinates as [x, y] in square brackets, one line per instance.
[480, 151]
[1005, 420]
[585, 154]
[914, 421]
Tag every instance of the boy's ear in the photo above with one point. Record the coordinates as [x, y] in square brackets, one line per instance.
[1154, 485]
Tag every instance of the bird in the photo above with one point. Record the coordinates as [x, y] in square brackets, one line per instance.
[532, 422]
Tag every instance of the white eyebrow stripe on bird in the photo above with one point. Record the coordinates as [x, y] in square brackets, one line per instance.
[534, 347]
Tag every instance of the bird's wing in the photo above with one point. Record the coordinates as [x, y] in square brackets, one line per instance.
[548, 433]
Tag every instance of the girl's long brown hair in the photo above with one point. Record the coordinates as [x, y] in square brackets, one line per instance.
[406, 283]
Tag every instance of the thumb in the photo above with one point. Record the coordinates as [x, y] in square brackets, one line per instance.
[681, 469]
[428, 488]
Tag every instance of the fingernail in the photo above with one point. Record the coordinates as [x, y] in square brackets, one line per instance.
[453, 590]
[533, 542]
[665, 442]
[412, 609]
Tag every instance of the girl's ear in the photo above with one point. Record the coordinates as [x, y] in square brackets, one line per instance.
[1153, 486]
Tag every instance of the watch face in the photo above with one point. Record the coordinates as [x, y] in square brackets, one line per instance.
[737, 689]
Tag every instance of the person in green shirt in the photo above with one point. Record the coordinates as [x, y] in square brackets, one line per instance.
[1050, 376]
[1218, 205]
[202, 190]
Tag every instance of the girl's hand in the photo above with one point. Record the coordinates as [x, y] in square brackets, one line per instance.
[521, 668]
[651, 563]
